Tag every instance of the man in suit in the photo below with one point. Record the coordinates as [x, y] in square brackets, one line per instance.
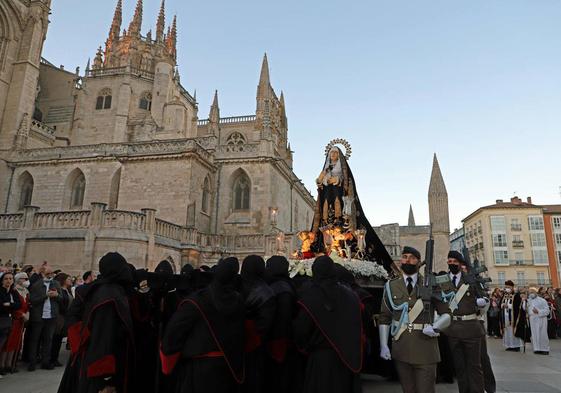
[414, 342]
[465, 332]
[45, 297]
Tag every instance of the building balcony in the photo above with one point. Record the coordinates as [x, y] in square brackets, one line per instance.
[521, 262]
[518, 243]
[516, 227]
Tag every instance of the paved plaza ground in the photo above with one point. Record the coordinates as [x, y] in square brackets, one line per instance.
[515, 373]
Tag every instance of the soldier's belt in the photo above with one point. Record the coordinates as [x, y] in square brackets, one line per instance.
[468, 317]
[412, 326]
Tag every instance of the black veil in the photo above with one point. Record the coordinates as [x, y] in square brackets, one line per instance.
[375, 249]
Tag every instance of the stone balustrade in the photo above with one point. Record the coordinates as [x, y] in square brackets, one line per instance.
[40, 127]
[168, 229]
[60, 220]
[123, 220]
[140, 227]
[126, 70]
[237, 119]
[229, 120]
[11, 221]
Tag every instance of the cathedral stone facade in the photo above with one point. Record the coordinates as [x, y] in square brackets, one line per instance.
[118, 159]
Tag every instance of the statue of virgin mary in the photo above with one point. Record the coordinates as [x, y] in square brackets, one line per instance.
[338, 209]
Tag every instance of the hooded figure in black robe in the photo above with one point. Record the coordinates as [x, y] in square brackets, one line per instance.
[521, 326]
[205, 337]
[145, 333]
[260, 307]
[335, 185]
[329, 329]
[105, 340]
[284, 371]
[165, 300]
[368, 307]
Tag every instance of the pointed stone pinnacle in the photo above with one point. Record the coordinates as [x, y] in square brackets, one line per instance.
[437, 185]
[264, 77]
[117, 20]
[411, 221]
[160, 25]
[136, 23]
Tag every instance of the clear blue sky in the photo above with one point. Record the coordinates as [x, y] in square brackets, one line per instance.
[476, 81]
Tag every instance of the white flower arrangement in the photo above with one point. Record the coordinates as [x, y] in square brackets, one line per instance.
[361, 269]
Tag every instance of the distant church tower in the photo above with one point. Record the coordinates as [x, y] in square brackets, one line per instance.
[439, 217]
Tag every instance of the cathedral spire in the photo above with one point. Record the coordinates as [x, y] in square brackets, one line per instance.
[117, 20]
[171, 40]
[264, 77]
[264, 86]
[411, 221]
[438, 200]
[283, 111]
[437, 186]
[160, 25]
[136, 23]
[214, 115]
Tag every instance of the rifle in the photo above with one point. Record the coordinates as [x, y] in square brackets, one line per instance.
[426, 290]
[430, 290]
[473, 275]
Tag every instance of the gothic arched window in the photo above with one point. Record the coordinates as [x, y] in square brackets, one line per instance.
[26, 190]
[103, 100]
[205, 206]
[145, 101]
[77, 190]
[235, 142]
[242, 191]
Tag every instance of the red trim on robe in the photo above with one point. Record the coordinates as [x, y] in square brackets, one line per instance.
[75, 338]
[252, 337]
[236, 377]
[211, 354]
[278, 349]
[169, 361]
[332, 343]
[104, 366]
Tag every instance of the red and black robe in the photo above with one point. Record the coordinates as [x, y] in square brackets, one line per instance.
[101, 340]
[329, 329]
[206, 344]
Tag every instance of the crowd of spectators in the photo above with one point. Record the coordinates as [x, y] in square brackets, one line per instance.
[551, 295]
[33, 305]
